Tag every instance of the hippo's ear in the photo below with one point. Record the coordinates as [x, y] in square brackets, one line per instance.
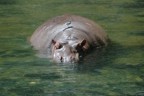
[53, 42]
[56, 44]
[81, 45]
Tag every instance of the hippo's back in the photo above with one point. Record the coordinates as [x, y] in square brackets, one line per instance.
[42, 37]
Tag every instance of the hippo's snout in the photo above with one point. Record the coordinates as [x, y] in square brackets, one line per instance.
[70, 59]
[61, 57]
[65, 54]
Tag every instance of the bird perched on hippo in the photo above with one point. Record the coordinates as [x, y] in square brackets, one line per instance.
[66, 38]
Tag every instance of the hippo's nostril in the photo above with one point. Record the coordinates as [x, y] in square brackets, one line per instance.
[61, 59]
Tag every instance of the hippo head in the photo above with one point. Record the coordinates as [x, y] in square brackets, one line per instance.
[66, 53]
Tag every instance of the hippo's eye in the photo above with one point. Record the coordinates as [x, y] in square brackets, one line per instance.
[74, 51]
[59, 47]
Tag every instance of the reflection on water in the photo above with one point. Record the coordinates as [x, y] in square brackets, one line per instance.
[113, 71]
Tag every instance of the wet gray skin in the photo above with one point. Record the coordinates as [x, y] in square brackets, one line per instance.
[65, 38]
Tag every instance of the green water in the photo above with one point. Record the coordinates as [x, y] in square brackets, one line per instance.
[117, 70]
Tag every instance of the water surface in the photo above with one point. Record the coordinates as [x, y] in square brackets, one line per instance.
[114, 71]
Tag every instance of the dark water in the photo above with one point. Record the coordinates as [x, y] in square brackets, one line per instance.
[117, 70]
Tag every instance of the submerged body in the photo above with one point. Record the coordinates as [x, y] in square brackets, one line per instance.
[65, 38]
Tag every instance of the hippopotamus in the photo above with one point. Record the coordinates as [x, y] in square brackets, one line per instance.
[66, 38]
